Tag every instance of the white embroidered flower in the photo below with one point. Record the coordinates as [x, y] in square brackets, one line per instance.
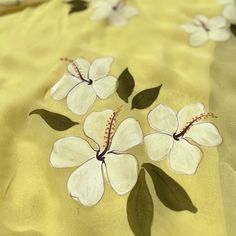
[174, 131]
[116, 11]
[109, 160]
[203, 29]
[83, 83]
[229, 11]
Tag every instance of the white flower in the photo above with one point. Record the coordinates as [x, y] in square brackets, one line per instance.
[203, 29]
[116, 11]
[83, 82]
[109, 160]
[174, 131]
[229, 11]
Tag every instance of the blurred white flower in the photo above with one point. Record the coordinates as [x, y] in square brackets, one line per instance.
[229, 11]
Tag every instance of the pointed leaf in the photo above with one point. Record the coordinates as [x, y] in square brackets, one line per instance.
[140, 207]
[145, 98]
[126, 85]
[171, 194]
[77, 5]
[55, 120]
[233, 29]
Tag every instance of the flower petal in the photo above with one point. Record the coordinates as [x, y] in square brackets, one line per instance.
[117, 19]
[158, 145]
[187, 113]
[81, 98]
[190, 28]
[229, 12]
[64, 86]
[100, 68]
[105, 87]
[219, 35]
[102, 11]
[163, 118]
[86, 183]
[70, 151]
[184, 157]
[217, 22]
[198, 38]
[79, 67]
[205, 134]
[128, 11]
[95, 126]
[201, 18]
[127, 135]
[122, 172]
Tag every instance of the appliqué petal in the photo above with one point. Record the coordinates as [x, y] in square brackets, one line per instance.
[184, 157]
[122, 172]
[217, 22]
[158, 145]
[205, 134]
[81, 98]
[102, 10]
[86, 184]
[198, 38]
[70, 152]
[128, 11]
[229, 12]
[163, 118]
[219, 35]
[80, 65]
[127, 135]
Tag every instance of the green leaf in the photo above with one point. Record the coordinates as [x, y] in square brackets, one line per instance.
[77, 5]
[126, 85]
[233, 29]
[140, 207]
[171, 194]
[145, 98]
[55, 120]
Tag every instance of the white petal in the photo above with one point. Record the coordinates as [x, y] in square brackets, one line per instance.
[205, 134]
[201, 18]
[127, 135]
[163, 118]
[64, 86]
[101, 11]
[95, 126]
[70, 151]
[128, 11]
[79, 67]
[198, 38]
[190, 28]
[86, 183]
[230, 12]
[117, 19]
[158, 145]
[81, 98]
[217, 22]
[189, 112]
[100, 68]
[224, 2]
[184, 157]
[105, 87]
[219, 35]
[122, 172]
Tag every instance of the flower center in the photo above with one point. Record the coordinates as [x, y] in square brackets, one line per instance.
[204, 26]
[108, 135]
[78, 70]
[189, 124]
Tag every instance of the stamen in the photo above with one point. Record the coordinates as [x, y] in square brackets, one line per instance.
[189, 124]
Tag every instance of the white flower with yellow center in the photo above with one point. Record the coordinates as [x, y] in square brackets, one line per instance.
[110, 158]
[203, 29]
[174, 133]
[116, 11]
[83, 83]
[229, 11]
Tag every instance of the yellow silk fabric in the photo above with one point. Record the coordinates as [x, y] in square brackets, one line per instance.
[33, 196]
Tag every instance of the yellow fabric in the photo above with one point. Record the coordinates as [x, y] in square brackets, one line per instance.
[33, 196]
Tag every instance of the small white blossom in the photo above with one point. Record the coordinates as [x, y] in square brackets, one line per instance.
[229, 11]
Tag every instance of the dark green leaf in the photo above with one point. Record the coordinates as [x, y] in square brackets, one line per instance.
[171, 194]
[126, 85]
[145, 98]
[77, 5]
[233, 29]
[55, 120]
[140, 207]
